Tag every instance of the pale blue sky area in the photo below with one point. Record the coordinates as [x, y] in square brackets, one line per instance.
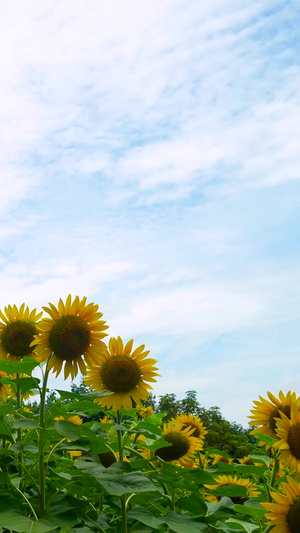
[149, 160]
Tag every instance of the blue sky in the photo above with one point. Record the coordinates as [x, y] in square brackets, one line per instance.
[149, 159]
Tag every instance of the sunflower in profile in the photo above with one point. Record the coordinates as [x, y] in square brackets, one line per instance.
[5, 390]
[17, 330]
[184, 445]
[228, 480]
[124, 373]
[284, 515]
[288, 433]
[72, 336]
[192, 422]
[266, 412]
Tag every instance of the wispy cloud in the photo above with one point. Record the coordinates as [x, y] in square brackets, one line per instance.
[149, 158]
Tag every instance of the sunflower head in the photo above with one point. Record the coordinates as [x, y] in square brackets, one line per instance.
[266, 413]
[144, 412]
[73, 419]
[288, 433]
[123, 372]
[284, 515]
[220, 459]
[183, 445]
[193, 422]
[72, 336]
[228, 480]
[17, 330]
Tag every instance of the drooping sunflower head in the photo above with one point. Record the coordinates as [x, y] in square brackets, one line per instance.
[284, 515]
[123, 372]
[288, 433]
[5, 390]
[228, 480]
[71, 337]
[193, 422]
[266, 412]
[183, 445]
[17, 330]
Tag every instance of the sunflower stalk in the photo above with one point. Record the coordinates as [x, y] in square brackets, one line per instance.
[19, 430]
[42, 479]
[123, 497]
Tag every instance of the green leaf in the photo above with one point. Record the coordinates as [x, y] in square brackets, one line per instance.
[177, 522]
[261, 458]
[5, 432]
[231, 491]
[254, 510]
[241, 525]
[147, 429]
[7, 409]
[117, 484]
[67, 395]
[23, 367]
[73, 431]
[22, 524]
[252, 470]
[25, 423]
[265, 438]
[193, 503]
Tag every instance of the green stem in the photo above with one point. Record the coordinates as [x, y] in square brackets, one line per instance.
[275, 470]
[19, 430]
[124, 514]
[58, 491]
[42, 494]
[119, 433]
[28, 502]
[123, 497]
[54, 448]
[172, 504]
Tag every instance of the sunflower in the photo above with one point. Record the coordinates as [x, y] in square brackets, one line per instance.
[247, 461]
[193, 422]
[123, 373]
[184, 445]
[106, 420]
[265, 413]
[72, 336]
[17, 330]
[144, 412]
[220, 459]
[284, 515]
[5, 390]
[288, 433]
[228, 480]
[73, 419]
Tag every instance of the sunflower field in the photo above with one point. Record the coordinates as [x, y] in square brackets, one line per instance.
[105, 461]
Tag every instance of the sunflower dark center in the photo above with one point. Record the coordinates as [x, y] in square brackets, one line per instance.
[286, 409]
[293, 440]
[180, 446]
[196, 432]
[120, 373]
[107, 458]
[293, 516]
[17, 337]
[70, 337]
